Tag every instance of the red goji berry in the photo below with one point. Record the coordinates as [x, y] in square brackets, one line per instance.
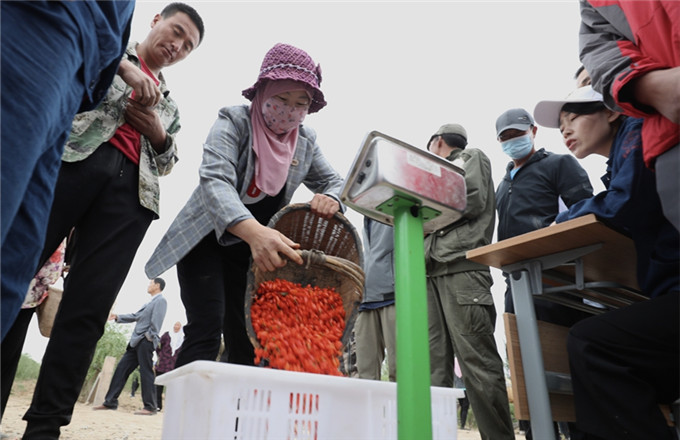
[298, 327]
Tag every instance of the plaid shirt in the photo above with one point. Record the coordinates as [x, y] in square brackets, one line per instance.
[92, 129]
[225, 173]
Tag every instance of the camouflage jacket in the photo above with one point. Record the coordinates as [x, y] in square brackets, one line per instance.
[91, 129]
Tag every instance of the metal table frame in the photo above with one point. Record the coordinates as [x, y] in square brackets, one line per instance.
[527, 274]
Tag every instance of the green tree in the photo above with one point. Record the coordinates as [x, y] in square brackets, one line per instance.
[27, 369]
[112, 343]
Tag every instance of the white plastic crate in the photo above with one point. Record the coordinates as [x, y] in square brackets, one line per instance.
[211, 400]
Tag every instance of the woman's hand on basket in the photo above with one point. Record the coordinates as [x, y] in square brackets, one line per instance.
[270, 248]
[324, 206]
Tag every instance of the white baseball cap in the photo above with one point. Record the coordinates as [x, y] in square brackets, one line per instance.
[547, 113]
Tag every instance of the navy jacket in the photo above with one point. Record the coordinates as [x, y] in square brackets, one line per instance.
[529, 201]
[631, 204]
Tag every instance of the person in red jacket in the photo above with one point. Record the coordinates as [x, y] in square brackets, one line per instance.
[632, 52]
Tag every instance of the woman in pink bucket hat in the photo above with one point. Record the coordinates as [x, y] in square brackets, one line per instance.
[254, 158]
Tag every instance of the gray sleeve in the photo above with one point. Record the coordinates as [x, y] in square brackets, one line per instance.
[219, 177]
[477, 180]
[602, 29]
[157, 317]
[322, 177]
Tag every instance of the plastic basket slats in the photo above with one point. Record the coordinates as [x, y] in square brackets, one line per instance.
[214, 401]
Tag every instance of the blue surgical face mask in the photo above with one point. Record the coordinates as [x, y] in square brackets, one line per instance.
[518, 147]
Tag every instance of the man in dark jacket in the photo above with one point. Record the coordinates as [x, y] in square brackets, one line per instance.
[535, 186]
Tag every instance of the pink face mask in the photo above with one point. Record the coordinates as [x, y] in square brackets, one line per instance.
[282, 118]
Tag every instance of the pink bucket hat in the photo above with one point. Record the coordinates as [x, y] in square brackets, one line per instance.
[288, 62]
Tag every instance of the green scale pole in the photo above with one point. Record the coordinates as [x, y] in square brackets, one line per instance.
[414, 411]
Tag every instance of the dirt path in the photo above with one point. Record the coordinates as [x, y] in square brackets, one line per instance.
[86, 424]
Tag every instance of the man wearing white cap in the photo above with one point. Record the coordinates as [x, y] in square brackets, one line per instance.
[460, 308]
[624, 362]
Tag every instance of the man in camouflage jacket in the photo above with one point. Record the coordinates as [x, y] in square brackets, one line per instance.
[108, 190]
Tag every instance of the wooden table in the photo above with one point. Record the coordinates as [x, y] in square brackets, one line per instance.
[566, 263]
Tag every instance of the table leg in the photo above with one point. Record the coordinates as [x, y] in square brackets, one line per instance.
[532, 356]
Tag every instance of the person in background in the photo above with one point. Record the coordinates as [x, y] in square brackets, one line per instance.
[536, 186]
[632, 53]
[624, 362]
[135, 383]
[38, 290]
[463, 402]
[139, 353]
[537, 183]
[348, 363]
[375, 326]
[461, 313]
[167, 351]
[254, 159]
[57, 58]
[108, 189]
[582, 77]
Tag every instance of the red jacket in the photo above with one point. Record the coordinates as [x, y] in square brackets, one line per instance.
[621, 40]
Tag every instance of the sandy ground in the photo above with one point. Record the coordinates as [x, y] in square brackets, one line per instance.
[87, 424]
[121, 424]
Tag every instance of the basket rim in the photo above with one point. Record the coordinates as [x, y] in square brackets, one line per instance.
[338, 216]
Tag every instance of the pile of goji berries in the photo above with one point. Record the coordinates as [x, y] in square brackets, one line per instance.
[299, 328]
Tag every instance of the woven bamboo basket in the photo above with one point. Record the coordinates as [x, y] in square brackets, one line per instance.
[336, 236]
[332, 255]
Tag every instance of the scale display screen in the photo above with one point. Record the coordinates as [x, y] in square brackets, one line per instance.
[388, 172]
